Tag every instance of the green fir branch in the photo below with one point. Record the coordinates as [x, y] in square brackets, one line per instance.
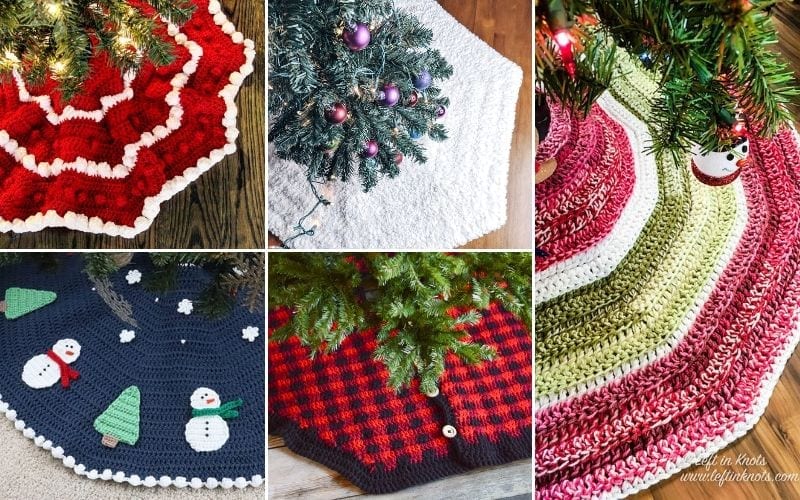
[408, 297]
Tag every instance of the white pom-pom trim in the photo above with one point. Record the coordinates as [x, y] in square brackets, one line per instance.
[80, 222]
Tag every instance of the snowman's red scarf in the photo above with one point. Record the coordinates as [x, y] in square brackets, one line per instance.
[68, 373]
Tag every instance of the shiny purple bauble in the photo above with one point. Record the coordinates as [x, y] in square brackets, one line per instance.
[441, 111]
[370, 149]
[398, 158]
[336, 114]
[423, 80]
[389, 95]
[357, 38]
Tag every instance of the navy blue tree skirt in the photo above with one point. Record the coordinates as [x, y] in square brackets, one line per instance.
[168, 357]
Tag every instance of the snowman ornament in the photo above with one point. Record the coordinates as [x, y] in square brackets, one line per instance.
[44, 370]
[719, 168]
[208, 430]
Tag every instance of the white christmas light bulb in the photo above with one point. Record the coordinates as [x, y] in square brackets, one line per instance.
[53, 9]
[58, 67]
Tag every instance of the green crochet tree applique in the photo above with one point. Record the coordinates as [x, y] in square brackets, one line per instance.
[21, 301]
[120, 421]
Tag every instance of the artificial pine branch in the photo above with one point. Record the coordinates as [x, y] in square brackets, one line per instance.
[230, 274]
[57, 38]
[420, 302]
[713, 58]
[311, 69]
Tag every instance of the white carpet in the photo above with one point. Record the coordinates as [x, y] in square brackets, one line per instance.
[457, 196]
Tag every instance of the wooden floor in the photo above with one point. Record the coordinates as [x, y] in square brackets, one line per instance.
[292, 476]
[224, 208]
[776, 437]
[506, 26]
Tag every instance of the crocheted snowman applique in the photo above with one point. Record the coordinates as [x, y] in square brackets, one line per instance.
[44, 370]
[207, 430]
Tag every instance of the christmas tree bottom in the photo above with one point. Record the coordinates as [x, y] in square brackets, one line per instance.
[105, 161]
[660, 343]
[457, 196]
[123, 402]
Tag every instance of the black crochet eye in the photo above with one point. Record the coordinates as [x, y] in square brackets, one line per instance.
[730, 157]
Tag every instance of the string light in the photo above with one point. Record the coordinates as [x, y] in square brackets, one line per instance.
[53, 8]
[563, 39]
[11, 57]
[58, 67]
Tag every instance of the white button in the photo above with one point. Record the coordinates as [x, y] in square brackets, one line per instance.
[449, 431]
[433, 393]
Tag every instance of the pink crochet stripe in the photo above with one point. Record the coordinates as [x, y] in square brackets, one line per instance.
[636, 425]
[581, 202]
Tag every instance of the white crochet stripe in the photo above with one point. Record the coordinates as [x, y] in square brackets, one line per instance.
[152, 205]
[737, 231]
[598, 261]
[120, 476]
[146, 139]
[70, 113]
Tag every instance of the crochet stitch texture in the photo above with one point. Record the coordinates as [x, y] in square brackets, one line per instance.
[337, 409]
[171, 356]
[106, 161]
[658, 350]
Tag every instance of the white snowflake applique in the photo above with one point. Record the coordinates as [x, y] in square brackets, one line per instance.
[185, 307]
[133, 276]
[250, 333]
[126, 336]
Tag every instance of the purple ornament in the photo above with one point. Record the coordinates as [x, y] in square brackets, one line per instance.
[337, 113]
[441, 111]
[389, 95]
[423, 80]
[357, 38]
[370, 149]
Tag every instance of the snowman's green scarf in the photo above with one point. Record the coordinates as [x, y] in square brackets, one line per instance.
[227, 410]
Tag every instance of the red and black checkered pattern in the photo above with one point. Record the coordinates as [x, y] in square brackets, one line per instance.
[338, 410]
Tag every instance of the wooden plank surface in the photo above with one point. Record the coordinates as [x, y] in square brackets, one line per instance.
[224, 208]
[776, 437]
[506, 26]
[293, 476]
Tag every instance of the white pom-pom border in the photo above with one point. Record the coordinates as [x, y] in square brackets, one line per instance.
[70, 462]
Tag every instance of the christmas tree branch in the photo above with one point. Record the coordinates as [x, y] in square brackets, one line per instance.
[419, 304]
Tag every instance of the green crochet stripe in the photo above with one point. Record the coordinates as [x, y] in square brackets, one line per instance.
[593, 330]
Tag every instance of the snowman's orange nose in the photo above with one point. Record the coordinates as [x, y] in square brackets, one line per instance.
[741, 163]
[209, 401]
[69, 353]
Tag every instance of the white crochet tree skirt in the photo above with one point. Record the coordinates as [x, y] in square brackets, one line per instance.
[457, 196]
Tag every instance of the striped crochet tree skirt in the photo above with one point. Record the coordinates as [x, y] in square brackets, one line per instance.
[665, 310]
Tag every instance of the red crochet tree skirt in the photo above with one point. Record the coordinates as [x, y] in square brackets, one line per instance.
[105, 161]
[337, 409]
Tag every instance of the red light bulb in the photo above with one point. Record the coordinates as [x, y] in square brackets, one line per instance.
[563, 38]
